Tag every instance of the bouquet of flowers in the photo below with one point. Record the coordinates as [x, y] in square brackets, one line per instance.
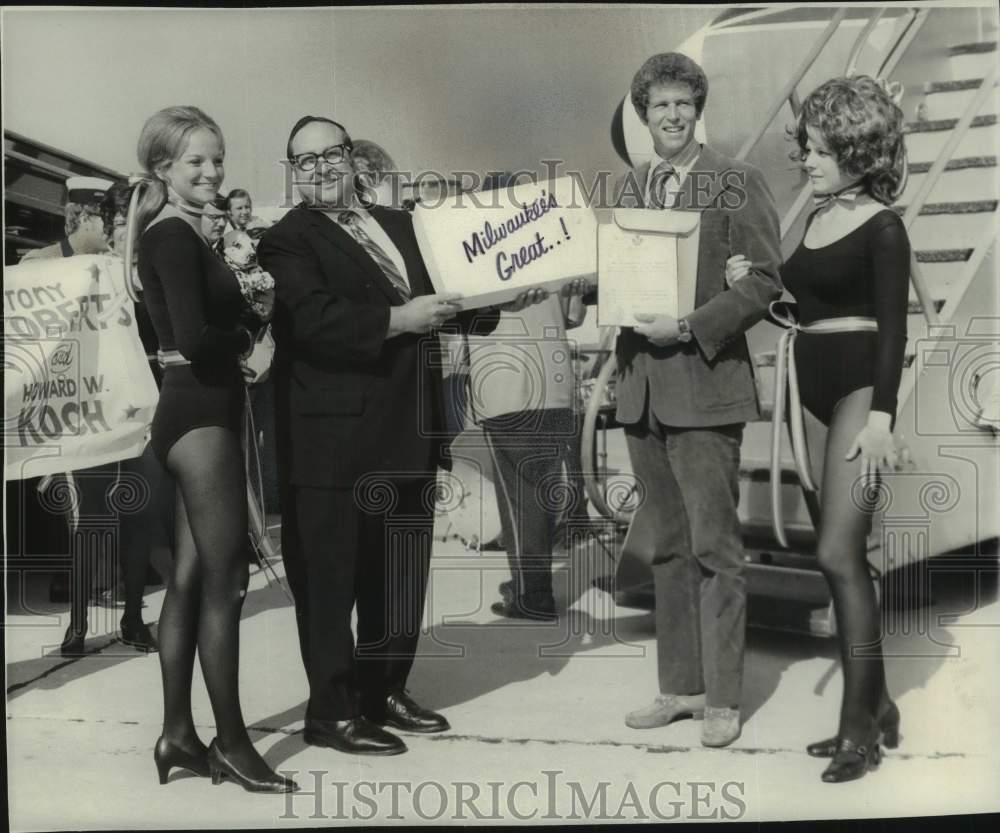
[240, 253]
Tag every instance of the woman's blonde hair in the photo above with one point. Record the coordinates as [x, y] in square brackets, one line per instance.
[163, 139]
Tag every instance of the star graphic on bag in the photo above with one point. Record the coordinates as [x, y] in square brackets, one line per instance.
[131, 411]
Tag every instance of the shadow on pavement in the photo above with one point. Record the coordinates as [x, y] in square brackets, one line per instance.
[102, 649]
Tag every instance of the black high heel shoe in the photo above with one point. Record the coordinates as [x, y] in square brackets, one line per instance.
[221, 767]
[167, 755]
[852, 760]
[888, 724]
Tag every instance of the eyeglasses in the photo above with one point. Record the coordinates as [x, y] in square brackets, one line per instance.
[332, 155]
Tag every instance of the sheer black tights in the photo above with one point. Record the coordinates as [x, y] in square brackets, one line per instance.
[205, 594]
[845, 521]
[139, 531]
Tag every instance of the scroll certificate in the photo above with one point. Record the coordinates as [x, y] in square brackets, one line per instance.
[647, 262]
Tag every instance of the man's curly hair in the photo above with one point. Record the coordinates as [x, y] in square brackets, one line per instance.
[668, 68]
[862, 127]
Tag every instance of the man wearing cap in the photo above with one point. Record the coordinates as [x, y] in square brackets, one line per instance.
[84, 225]
[85, 234]
[95, 214]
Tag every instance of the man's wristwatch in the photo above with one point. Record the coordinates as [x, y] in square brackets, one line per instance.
[684, 335]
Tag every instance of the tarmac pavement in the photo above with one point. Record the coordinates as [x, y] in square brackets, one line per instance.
[536, 712]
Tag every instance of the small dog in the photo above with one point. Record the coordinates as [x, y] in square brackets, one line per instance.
[240, 252]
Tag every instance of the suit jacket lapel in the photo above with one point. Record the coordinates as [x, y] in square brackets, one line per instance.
[707, 171]
[347, 244]
[633, 187]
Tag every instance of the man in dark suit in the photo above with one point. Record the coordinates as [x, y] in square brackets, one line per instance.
[213, 224]
[360, 436]
[685, 391]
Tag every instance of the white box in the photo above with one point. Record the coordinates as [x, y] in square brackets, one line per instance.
[492, 245]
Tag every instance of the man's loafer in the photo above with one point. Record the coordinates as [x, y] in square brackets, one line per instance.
[721, 726]
[357, 736]
[400, 711]
[666, 708]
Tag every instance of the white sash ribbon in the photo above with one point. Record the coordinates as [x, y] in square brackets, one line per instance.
[786, 376]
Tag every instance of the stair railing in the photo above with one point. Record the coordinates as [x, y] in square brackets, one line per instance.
[933, 175]
[862, 39]
[917, 19]
[788, 91]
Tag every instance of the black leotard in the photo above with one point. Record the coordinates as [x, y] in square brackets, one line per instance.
[864, 273]
[195, 305]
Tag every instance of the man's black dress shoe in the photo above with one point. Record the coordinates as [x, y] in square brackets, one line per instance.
[538, 607]
[494, 545]
[400, 711]
[139, 636]
[357, 735]
[73, 642]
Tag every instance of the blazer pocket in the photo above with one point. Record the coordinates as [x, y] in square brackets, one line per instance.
[332, 403]
[728, 384]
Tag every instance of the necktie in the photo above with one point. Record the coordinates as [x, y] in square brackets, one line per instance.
[375, 252]
[659, 185]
